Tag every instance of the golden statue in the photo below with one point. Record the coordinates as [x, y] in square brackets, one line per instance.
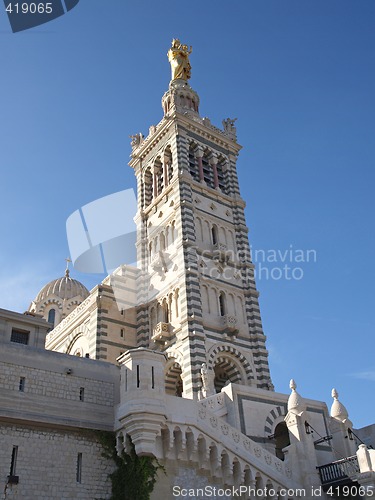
[178, 56]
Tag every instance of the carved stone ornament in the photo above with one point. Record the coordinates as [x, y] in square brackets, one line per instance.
[229, 128]
[236, 436]
[136, 140]
[202, 413]
[225, 429]
[220, 399]
[213, 421]
[258, 451]
[211, 403]
[247, 444]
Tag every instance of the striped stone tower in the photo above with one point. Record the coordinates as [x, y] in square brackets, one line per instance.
[197, 299]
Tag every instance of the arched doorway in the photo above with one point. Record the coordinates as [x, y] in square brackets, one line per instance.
[173, 380]
[282, 439]
[226, 371]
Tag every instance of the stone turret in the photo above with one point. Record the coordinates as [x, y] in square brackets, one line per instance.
[343, 441]
[301, 452]
[296, 403]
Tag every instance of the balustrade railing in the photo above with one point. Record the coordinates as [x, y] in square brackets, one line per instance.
[339, 472]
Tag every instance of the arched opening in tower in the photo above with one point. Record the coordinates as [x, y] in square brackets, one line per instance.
[282, 439]
[173, 380]
[225, 371]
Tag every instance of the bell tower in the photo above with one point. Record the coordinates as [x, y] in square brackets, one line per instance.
[197, 298]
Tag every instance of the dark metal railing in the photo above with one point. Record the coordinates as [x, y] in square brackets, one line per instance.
[338, 472]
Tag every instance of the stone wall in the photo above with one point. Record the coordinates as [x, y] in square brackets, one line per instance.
[57, 385]
[46, 464]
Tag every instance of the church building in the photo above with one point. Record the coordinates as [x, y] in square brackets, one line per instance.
[170, 353]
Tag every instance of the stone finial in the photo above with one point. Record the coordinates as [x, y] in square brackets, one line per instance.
[338, 410]
[68, 261]
[295, 401]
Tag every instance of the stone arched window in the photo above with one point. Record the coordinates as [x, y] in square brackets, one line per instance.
[214, 234]
[223, 235]
[222, 178]
[159, 314]
[222, 304]
[226, 370]
[168, 164]
[193, 162]
[208, 175]
[52, 316]
[158, 172]
[231, 304]
[147, 187]
[165, 311]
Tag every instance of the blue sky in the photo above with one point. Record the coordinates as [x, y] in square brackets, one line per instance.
[299, 76]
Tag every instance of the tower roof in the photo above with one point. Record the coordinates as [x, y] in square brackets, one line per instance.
[338, 410]
[295, 401]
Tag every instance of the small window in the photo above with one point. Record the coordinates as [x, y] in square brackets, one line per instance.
[81, 393]
[222, 304]
[122, 333]
[20, 336]
[22, 383]
[79, 468]
[122, 312]
[52, 316]
[13, 462]
[214, 234]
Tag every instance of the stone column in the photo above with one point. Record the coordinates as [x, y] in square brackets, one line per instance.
[165, 173]
[199, 156]
[155, 183]
[213, 163]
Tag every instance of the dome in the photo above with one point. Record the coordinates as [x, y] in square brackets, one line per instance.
[338, 410]
[295, 401]
[65, 288]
